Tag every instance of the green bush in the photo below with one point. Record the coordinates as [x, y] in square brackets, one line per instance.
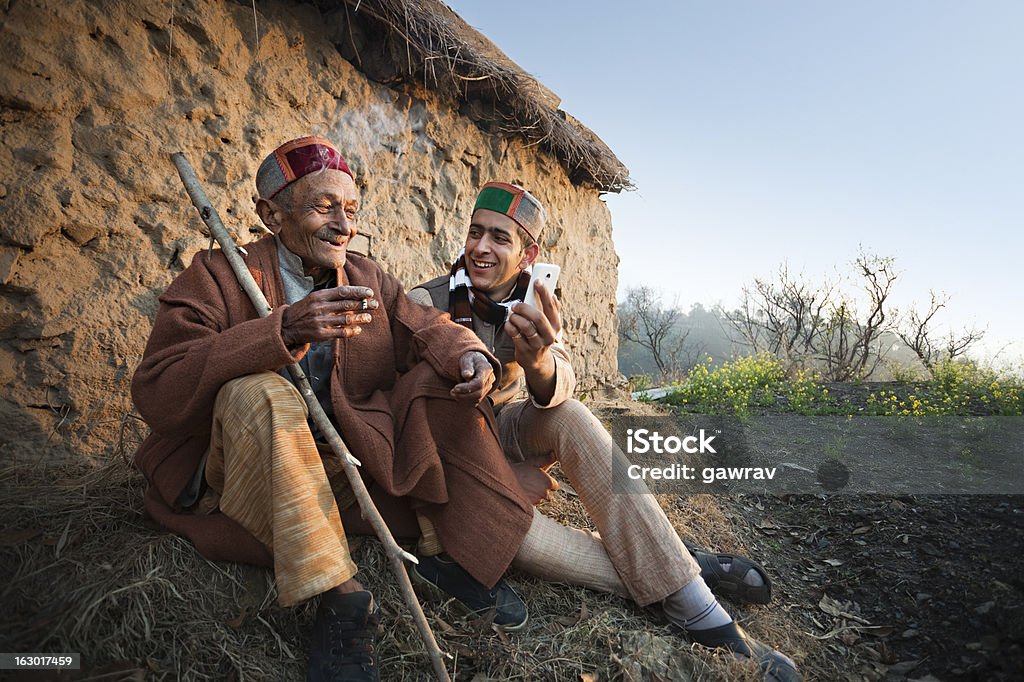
[954, 388]
[744, 384]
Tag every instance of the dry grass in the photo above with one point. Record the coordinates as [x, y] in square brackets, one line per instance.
[82, 571]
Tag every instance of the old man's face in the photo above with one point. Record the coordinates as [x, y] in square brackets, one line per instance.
[317, 217]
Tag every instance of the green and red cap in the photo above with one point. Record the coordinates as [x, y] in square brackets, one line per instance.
[515, 202]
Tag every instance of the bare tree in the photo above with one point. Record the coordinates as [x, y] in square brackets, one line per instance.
[918, 332]
[646, 321]
[782, 316]
[807, 325]
[850, 348]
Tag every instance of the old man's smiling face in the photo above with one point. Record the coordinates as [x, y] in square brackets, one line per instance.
[316, 218]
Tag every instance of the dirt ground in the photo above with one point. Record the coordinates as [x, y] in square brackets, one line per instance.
[897, 588]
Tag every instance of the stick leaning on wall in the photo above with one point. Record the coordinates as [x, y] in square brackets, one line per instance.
[395, 553]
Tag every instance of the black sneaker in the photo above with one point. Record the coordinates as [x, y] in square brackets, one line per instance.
[451, 579]
[342, 643]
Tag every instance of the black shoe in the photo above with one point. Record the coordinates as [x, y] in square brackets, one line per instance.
[774, 665]
[342, 643]
[451, 579]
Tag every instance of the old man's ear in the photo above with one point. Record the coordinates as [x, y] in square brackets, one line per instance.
[270, 213]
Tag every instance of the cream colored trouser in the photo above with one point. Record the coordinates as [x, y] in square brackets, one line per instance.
[636, 552]
[264, 471]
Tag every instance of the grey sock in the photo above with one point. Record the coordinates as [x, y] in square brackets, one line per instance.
[695, 608]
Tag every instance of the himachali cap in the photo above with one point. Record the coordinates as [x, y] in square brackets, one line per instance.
[294, 159]
[516, 203]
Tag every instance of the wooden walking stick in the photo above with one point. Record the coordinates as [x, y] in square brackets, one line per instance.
[395, 553]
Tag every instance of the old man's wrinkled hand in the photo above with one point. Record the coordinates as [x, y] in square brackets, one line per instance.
[477, 375]
[327, 314]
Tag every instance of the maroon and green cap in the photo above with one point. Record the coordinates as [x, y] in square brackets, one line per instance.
[516, 203]
[294, 159]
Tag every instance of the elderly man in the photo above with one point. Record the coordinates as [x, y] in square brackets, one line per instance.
[232, 462]
[637, 553]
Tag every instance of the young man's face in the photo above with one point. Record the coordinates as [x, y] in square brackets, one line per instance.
[495, 254]
[318, 221]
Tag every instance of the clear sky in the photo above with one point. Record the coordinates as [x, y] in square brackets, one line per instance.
[763, 132]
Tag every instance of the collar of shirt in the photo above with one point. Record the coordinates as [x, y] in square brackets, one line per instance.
[297, 284]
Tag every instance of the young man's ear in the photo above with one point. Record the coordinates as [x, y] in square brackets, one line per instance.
[270, 213]
[529, 255]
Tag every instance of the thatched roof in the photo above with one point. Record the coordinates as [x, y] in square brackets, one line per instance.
[426, 42]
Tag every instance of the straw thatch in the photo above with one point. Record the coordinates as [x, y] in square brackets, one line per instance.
[426, 42]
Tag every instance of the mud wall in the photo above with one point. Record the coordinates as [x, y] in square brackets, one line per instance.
[94, 224]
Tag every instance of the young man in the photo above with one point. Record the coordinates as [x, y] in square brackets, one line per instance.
[232, 462]
[637, 552]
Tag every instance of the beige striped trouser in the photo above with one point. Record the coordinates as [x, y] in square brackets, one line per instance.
[264, 471]
[636, 551]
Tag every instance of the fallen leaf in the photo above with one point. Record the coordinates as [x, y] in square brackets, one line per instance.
[872, 652]
[18, 536]
[849, 637]
[990, 642]
[795, 467]
[569, 621]
[464, 651]
[861, 530]
[984, 608]
[484, 623]
[63, 540]
[834, 562]
[239, 620]
[444, 625]
[839, 609]
[904, 667]
[566, 488]
[877, 630]
[830, 606]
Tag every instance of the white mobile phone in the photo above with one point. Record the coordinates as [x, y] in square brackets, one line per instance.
[546, 273]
